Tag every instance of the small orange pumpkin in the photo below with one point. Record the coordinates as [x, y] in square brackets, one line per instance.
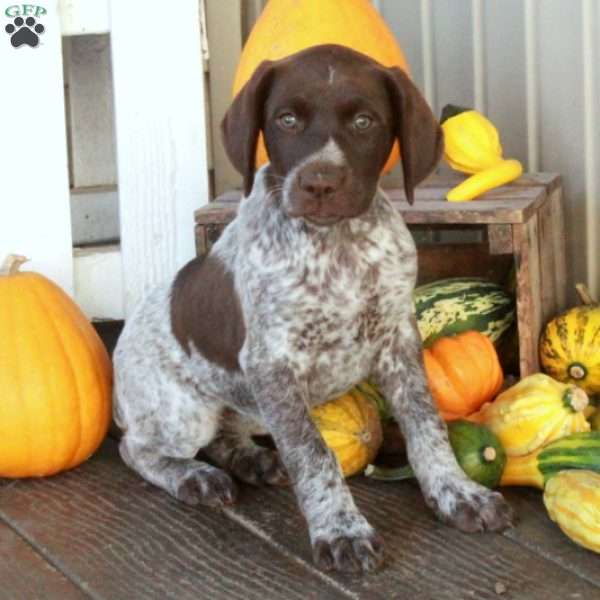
[463, 372]
[55, 377]
[289, 26]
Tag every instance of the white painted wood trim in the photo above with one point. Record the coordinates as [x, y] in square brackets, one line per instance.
[532, 85]
[203, 25]
[478, 26]
[591, 153]
[161, 139]
[427, 43]
[99, 282]
[79, 17]
[34, 200]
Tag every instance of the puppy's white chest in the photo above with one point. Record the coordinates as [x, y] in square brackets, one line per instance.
[340, 322]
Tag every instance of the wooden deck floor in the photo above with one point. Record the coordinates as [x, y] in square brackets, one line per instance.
[101, 532]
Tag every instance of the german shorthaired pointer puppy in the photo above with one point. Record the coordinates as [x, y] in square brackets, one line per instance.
[307, 292]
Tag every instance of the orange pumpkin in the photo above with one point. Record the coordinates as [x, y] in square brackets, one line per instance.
[55, 377]
[463, 372]
[289, 26]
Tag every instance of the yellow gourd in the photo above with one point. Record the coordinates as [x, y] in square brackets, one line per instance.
[534, 412]
[472, 146]
[55, 377]
[570, 345]
[471, 142]
[572, 499]
[351, 428]
[574, 451]
[289, 26]
[500, 174]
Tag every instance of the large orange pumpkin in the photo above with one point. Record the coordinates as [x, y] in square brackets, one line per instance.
[289, 26]
[463, 372]
[55, 377]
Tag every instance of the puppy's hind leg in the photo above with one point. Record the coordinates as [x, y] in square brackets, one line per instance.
[234, 450]
[191, 481]
[163, 432]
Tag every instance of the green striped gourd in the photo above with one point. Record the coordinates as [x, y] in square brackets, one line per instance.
[575, 451]
[458, 304]
[477, 450]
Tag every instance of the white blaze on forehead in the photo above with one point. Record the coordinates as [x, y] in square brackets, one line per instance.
[331, 74]
[330, 152]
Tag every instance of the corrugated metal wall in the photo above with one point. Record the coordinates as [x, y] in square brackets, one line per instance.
[533, 66]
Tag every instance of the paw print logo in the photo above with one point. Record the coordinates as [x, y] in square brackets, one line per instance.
[24, 31]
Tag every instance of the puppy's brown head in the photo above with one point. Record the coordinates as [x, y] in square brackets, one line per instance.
[330, 116]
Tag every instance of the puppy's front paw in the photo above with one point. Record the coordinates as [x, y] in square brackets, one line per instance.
[470, 507]
[357, 553]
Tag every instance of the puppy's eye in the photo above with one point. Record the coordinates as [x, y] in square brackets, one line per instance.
[362, 122]
[288, 121]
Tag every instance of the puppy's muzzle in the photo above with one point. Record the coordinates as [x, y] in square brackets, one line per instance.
[321, 181]
[320, 193]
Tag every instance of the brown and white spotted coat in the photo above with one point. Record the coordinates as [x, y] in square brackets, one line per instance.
[307, 292]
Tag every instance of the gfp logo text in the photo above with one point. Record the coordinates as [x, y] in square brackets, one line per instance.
[25, 10]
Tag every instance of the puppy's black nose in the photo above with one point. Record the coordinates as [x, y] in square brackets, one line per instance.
[321, 180]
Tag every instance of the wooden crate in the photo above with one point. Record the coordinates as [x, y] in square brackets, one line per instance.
[516, 229]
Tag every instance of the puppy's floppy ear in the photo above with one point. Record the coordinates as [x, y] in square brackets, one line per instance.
[243, 122]
[418, 132]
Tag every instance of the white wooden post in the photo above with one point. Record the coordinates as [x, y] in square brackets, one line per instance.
[34, 202]
[79, 17]
[161, 137]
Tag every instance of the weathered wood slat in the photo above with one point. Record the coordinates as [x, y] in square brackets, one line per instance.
[425, 559]
[507, 204]
[500, 238]
[26, 575]
[550, 181]
[502, 205]
[548, 264]
[529, 300]
[430, 207]
[123, 538]
[220, 211]
[560, 248]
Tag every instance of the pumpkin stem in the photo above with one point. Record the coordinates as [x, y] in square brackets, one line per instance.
[584, 294]
[489, 454]
[577, 371]
[11, 264]
[576, 398]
